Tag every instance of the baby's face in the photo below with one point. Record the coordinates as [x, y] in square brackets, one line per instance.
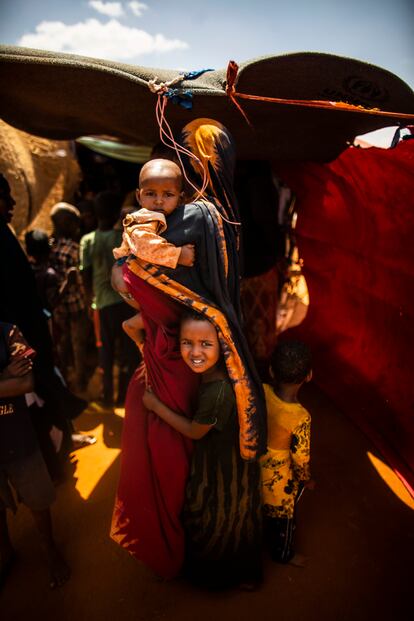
[160, 193]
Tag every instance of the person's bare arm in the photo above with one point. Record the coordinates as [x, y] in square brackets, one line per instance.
[69, 281]
[183, 425]
[118, 285]
[134, 328]
[17, 378]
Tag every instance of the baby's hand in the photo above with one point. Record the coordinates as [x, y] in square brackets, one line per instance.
[187, 255]
[150, 400]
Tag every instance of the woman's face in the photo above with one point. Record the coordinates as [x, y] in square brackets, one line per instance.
[199, 345]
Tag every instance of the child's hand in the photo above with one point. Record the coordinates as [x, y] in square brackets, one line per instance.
[150, 400]
[18, 367]
[187, 255]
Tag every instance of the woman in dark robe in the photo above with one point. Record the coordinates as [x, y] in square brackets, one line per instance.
[155, 458]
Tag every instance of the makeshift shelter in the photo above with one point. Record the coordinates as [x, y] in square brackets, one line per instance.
[355, 212]
[41, 172]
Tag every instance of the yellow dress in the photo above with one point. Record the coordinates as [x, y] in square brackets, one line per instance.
[286, 463]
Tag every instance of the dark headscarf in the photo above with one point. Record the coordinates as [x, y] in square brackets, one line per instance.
[213, 144]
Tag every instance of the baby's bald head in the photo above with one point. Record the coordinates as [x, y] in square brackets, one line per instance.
[160, 186]
[161, 169]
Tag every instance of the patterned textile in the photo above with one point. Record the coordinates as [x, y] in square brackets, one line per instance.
[259, 296]
[141, 237]
[154, 457]
[286, 463]
[222, 512]
[64, 255]
[213, 145]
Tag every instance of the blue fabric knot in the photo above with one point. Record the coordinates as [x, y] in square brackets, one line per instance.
[192, 75]
[184, 98]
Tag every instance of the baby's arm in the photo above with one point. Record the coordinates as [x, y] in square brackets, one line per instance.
[185, 426]
[146, 244]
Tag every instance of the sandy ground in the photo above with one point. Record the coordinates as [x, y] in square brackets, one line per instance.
[356, 528]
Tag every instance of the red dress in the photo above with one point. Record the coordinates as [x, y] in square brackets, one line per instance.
[155, 457]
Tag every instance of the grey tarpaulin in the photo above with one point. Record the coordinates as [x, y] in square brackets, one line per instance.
[63, 96]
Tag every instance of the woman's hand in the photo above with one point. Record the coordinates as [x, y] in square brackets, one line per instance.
[150, 400]
[18, 367]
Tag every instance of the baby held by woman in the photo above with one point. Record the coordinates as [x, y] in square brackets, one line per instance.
[160, 193]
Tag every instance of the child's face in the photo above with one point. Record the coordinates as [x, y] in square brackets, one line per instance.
[161, 193]
[199, 345]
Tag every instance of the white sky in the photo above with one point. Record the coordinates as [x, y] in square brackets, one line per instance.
[193, 34]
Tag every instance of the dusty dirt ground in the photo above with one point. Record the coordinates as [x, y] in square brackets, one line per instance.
[357, 533]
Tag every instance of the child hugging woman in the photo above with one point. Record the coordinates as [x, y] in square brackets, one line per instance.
[221, 515]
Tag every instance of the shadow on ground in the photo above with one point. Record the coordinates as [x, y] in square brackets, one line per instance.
[357, 533]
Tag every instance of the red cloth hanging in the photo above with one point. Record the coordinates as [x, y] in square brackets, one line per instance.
[155, 457]
[356, 236]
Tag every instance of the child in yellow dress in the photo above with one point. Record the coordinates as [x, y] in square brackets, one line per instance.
[285, 466]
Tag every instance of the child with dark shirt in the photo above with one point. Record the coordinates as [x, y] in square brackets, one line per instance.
[21, 463]
[221, 514]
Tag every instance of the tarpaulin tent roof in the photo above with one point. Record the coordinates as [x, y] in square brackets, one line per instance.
[356, 217]
[57, 95]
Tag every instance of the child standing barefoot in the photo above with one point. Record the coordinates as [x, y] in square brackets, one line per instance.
[285, 466]
[222, 512]
[21, 463]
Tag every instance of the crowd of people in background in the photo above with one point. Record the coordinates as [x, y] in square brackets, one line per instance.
[209, 452]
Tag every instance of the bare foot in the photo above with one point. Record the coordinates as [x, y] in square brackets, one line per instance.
[58, 569]
[80, 440]
[298, 560]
